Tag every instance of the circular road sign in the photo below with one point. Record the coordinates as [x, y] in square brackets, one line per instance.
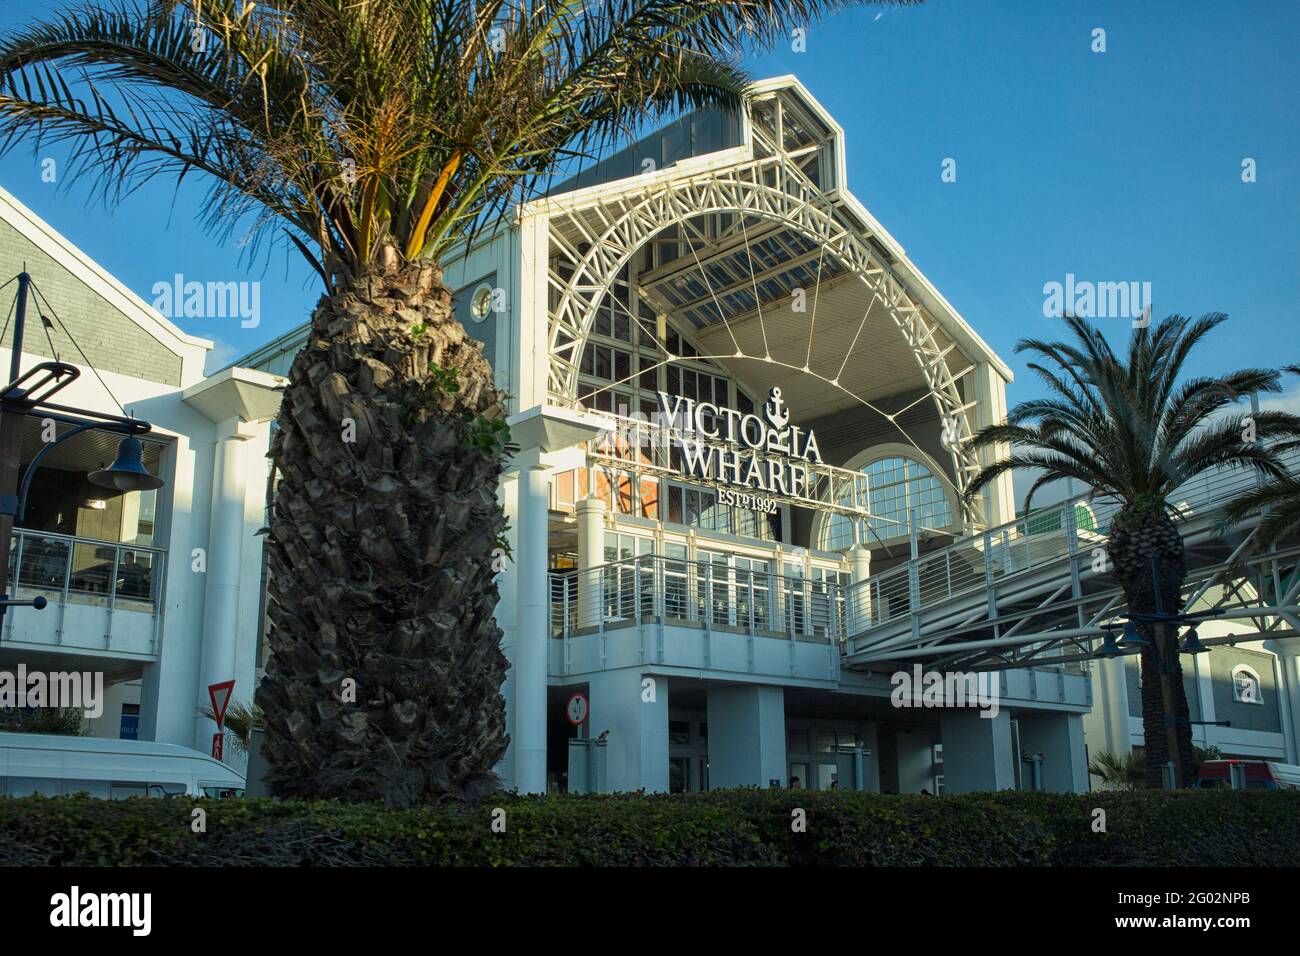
[576, 709]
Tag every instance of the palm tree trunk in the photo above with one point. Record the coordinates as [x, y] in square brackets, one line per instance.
[1137, 533]
[386, 667]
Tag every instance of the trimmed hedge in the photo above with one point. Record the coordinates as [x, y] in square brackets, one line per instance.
[747, 827]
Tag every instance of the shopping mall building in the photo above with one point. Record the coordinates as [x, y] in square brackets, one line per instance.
[741, 554]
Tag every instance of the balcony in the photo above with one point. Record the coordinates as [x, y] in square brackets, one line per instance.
[103, 597]
[699, 615]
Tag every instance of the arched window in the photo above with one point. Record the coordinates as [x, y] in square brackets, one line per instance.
[1246, 685]
[896, 486]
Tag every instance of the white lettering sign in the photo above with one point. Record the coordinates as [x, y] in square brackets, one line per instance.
[762, 453]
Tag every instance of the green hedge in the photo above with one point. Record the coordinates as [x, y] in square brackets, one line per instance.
[726, 827]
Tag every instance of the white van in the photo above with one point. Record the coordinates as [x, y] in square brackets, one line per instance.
[58, 765]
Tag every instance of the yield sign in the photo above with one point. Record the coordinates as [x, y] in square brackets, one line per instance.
[220, 695]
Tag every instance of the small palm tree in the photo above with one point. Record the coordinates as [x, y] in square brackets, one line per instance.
[1120, 771]
[1278, 500]
[239, 722]
[374, 135]
[1133, 428]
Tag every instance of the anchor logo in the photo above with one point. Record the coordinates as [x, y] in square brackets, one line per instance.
[776, 411]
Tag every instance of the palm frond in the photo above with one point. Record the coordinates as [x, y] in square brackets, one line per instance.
[407, 125]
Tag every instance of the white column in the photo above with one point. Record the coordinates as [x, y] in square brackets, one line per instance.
[870, 779]
[590, 513]
[991, 393]
[221, 587]
[531, 633]
[1288, 666]
[1112, 701]
[507, 611]
[633, 708]
[914, 762]
[859, 605]
[746, 736]
[977, 751]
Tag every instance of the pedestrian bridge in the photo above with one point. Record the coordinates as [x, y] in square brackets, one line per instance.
[1036, 590]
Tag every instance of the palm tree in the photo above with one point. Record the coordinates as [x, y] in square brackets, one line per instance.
[1278, 500]
[239, 721]
[1134, 429]
[374, 135]
[1120, 771]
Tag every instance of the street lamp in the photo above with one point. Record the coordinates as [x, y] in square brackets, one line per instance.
[29, 393]
[1160, 619]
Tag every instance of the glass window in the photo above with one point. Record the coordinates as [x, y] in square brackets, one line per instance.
[679, 732]
[796, 741]
[894, 487]
[679, 774]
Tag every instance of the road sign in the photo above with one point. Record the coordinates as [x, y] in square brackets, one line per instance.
[220, 695]
[576, 709]
[217, 739]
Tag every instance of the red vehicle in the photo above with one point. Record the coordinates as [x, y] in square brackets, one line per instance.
[1260, 775]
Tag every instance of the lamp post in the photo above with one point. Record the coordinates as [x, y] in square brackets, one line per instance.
[29, 393]
[1166, 652]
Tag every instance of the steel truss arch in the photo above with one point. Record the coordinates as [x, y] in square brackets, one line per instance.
[614, 226]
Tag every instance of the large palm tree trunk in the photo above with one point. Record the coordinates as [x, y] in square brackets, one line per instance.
[381, 550]
[1137, 533]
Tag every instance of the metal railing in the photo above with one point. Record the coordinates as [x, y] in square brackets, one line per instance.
[85, 571]
[1075, 526]
[654, 588]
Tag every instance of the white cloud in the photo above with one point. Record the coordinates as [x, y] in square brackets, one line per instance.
[1288, 401]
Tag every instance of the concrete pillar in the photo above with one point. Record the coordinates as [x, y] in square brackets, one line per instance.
[858, 611]
[531, 633]
[914, 762]
[168, 700]
[746, 736]
[870, 778]
[635, 713]
[221, 583]
[977, 751]
[590, 513]
[507, 616]
[1107, 724]
[1059, 738]
[1203, 682]
[991, 394]
[1288, 666]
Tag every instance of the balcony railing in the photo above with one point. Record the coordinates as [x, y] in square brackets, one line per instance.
[654, 588]
[980, 562]
[83, 574]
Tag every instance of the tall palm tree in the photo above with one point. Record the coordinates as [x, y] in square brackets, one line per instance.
[1278, 499]
[1133, 428]
[374, 135]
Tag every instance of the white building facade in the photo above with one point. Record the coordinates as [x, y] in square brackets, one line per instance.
[158, 591]
[736, 513]
[741, 550]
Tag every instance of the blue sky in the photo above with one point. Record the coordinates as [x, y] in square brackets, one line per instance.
[1115, 166]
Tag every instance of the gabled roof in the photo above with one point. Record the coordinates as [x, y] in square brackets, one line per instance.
[59, 247]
